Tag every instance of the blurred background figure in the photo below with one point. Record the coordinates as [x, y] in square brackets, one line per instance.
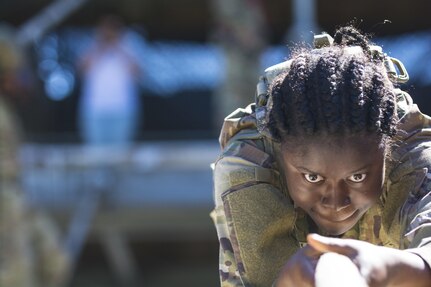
[109, 104]
[304, 22]
[31, 251]
[241, 31]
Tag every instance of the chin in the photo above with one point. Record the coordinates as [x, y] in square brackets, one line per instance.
[335, 229]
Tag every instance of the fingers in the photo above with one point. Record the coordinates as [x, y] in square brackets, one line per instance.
[300, 269]
[311, 252]
[337, 270]
[328, 244]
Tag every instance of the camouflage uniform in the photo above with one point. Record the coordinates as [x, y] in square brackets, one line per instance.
[258, 225]
[30, 254]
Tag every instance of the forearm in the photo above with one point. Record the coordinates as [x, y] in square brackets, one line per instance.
[408, 269]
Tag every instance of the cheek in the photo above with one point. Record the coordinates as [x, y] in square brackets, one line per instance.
[302, 195]
[375, 190]
[368, 194]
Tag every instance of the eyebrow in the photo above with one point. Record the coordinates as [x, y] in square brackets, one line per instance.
[362, 168]
[306, 170]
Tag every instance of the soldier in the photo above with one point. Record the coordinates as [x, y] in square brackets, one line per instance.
[331, 158]
[30, 251]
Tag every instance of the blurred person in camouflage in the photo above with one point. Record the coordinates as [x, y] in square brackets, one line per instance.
[30, 250]
[240, 30]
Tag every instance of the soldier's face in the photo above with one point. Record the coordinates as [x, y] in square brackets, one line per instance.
[335, 180]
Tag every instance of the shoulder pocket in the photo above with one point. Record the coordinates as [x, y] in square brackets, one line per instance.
[261, 222]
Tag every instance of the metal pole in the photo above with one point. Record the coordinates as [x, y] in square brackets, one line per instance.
[34, 28]
[304, 21]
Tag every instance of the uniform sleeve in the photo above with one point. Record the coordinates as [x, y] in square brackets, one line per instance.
[227, 176]
[253, 217]
[228, 269]
[416, 215]
[413, 174]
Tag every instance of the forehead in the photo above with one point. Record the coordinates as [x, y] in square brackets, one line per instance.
[347, 153]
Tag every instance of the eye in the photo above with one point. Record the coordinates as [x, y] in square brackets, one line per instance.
[313, 178]
[357, 177]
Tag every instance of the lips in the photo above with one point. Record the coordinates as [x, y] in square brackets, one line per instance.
[337, 217]
[335, 223]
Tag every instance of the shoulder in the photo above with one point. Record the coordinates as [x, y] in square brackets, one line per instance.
[411, 150]
[246, 154]
[241, 120]
[410, 155]
[409, 167]
[412, 120]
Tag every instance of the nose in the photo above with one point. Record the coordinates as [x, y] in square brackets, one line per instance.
[336, 197]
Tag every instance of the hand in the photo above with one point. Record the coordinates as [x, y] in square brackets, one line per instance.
[312, 266]
[299, 270]
[336, 270]
[378, 265]
[370, 259]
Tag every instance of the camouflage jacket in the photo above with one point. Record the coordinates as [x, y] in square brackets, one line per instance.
[258, 225]
[30, 253]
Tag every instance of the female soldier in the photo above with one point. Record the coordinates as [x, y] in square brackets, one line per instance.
[333, 148]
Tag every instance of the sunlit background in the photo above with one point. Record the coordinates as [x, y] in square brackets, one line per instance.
[138, 214]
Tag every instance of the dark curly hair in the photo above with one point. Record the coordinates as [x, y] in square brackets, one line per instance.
[342, 89]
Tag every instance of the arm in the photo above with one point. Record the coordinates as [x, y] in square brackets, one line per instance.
[415, 218]
[380, 266]
[250, 197]
[228, 269]
[376, 265]
[259, 217]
